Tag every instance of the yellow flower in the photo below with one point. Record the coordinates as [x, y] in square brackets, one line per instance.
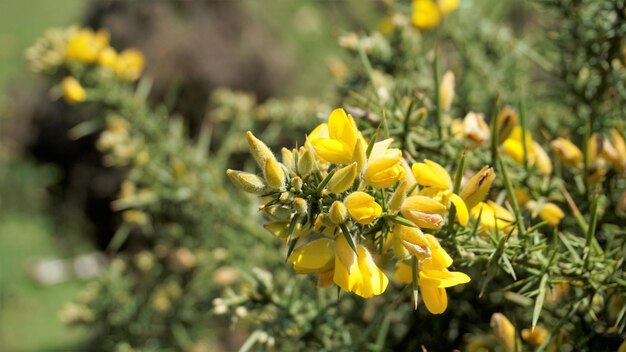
[424, 212]
[108, 58]
[433, 284]
[504, 331]
[334, 261]
[478, 186]
[412, 239]
[129, 64]
[431, 174]
[541, 159]
[384, 167]
[427, 14]
[73, 92]
[549, 212]
[339, 146]
[85, 45]
[362, 207]
[514, 148]
[567, 152]
[492, 217]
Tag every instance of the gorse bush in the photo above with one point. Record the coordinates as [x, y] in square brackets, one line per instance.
[431, 209]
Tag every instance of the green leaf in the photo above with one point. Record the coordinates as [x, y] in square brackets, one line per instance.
[400, 220]
[414, 283]
[539, 300]
[346, 234]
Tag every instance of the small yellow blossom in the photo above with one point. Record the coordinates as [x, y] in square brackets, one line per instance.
[427, 14]
[384, 166]
[362, 207]
[73, 92]
[549, 212]
[567, 152]
[85, 45]
[507, 120]
[338, 212]
[339, 145]
[129, 64]
[433, 175]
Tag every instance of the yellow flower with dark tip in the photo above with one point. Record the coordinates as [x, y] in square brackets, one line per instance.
[433, 175]
[335, 142]
[477, 187]
[73, 92]
[362, 207]
[85, 45]
[384, 166]
[427, 14]
[567, 152]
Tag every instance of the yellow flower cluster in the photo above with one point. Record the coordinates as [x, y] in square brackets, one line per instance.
[428, 14]
[345, 206]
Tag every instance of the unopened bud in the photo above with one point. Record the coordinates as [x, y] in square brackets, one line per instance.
[277, 212]
[259, 150]
[324, 220]
[507, 119]
[504, 331]
[248, 182]
[536, 336]
[446, 91]
[477, 187]
[278, 229]
[338, 212]
[398, 197]
[542, 160]
[343, 179]
[286, 197]
[567, 152]
[306, 162]
[296, 182]
[183, 259]
[274, 174]
[288, 159]
[300, 206]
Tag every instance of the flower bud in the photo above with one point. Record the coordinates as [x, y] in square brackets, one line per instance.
[423, 211]
[535, 337]
[504, 331]
[277, 212]
[477, 187]
[475, 128]
[259, 151]
[247, 182]
[343, 179]
[278, 229]
[362, 207]
[274, 174]
[541, 159]
[338, 212]
[551, 213]
[73, 92]
[446, 91]
[567, 152]
[296, 183]
[286, 197]
[300, 205]
[507, 119]
[288, 159]
[324, 220]
[306, 162]
[398, 197]
[620, 150]
[182, 259]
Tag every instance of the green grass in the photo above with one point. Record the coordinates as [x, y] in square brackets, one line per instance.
[21, 22]
[28, 311]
